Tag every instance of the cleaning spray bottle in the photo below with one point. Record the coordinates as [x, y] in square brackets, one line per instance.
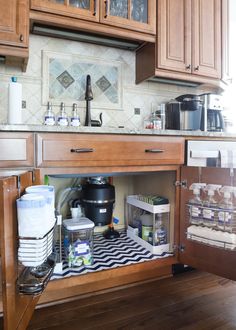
[195, 203]
[210, 206]
[225, 214]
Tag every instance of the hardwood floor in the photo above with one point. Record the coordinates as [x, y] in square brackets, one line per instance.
[192, 300]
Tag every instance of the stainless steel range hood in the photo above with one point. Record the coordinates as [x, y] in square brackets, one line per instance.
[52, 31]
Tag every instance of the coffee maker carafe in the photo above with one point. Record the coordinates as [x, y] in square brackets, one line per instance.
[212, 118]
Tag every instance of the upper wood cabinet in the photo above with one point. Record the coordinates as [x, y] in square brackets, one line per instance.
[130, 19]
[189, 42]
[14, 29]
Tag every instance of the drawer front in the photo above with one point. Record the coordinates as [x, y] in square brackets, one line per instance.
[17, 150]
[60, 150]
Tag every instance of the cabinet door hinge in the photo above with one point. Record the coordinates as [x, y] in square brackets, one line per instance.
[33, 176]
[182, 184]
[180, 248]
[18, 184]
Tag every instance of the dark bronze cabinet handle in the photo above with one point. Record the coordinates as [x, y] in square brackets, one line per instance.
[82, 150]
[155, 151]
[95, 5]
[196, 68]
[106, 9]
[21, 38]
[188, 67]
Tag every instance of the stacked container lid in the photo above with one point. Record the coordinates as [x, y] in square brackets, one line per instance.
[36, 220]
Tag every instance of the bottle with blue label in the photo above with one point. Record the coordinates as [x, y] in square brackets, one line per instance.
[75, 120]
[195, 203]
[210, 206]
[49, 117]
[62, 119]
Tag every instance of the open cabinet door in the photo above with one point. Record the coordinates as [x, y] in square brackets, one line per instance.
[17, 308]
[198, 254]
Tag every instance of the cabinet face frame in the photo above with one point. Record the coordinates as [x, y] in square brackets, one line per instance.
[91, 14]
[14, 25]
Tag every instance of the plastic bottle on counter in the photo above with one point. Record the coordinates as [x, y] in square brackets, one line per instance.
[62, 119]
[210, 206]
[226, 206]
[195, 203]
[14, 102]
[75, 120]
[49, 117]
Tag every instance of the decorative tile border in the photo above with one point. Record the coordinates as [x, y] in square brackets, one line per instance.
[64, 80]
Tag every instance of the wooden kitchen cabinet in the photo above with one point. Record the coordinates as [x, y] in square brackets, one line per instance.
[189, 42]
[129, 19]
[14, 29]
[145, 172]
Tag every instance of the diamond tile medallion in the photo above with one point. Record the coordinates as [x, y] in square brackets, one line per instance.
[64, 79]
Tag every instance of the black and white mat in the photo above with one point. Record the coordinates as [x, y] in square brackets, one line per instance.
[109, 254]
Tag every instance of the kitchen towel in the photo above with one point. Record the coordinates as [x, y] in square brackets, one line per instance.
[228, 158]
[14, 102]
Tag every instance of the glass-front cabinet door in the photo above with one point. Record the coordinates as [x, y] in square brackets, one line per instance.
[136, 15]
[83, 9]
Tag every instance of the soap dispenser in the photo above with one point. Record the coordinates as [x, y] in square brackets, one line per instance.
[226, 206]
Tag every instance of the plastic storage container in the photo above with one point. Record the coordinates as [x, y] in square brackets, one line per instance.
[152, 214]
[78, 241]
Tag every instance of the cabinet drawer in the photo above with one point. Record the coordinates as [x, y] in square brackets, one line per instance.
[17, 150]
[60, 150]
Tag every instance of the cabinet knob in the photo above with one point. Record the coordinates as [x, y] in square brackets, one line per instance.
[106, 9]
[188, 67]
[196, 68]
[21, 38]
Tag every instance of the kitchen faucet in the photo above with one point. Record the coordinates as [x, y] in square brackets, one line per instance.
[88, 98]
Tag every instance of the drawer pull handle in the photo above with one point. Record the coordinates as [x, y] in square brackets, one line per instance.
[106, 9]
[155, 151]
[82, 150]
[95, 7]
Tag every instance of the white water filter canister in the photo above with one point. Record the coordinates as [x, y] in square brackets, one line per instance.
[14, 102]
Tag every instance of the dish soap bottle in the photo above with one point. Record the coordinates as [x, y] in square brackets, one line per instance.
[195, 203]
[75, 120]
[62, 118]
[210, 206]
[225, 214]
[49, 117]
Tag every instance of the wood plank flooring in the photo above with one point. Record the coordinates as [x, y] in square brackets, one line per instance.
[192, 300]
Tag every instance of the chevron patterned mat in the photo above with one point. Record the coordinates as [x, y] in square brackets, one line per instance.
[109, 254]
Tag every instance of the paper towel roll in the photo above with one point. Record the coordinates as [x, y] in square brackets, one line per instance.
[14, 102]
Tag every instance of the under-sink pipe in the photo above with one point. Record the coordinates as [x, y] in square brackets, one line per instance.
[63, 194]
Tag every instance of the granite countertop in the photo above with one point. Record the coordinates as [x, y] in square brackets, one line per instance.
[111, 130]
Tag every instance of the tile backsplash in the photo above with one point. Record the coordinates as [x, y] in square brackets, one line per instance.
[57, 72]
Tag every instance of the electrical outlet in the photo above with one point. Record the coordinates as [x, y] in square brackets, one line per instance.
[23, 104]
[137, 111]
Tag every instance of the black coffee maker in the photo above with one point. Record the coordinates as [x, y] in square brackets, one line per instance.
[212, 118]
